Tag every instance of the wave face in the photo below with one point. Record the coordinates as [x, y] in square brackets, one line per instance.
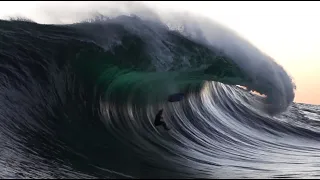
[79, 101]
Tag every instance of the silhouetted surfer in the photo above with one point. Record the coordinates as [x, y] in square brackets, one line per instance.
[158, 121]
[172, 98]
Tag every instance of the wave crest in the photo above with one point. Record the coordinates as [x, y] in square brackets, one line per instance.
[195, 47]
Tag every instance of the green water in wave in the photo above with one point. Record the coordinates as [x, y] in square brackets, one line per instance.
[128, 71]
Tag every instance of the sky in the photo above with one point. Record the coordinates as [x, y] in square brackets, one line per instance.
[287, 31]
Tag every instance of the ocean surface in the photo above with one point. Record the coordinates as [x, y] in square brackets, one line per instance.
[79, 101]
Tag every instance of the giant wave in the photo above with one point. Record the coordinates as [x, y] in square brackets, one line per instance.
[78, 100]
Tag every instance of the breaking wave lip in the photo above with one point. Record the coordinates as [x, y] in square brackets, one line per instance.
[239, 61]
[90, 90]
[263, 74]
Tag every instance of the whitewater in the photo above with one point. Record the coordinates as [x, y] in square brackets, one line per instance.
[78, 100]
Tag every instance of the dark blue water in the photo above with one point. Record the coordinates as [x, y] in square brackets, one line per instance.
[79, 101]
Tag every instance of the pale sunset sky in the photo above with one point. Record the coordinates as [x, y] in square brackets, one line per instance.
[287, 31]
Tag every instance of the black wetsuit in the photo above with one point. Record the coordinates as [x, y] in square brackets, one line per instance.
[158, 121]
